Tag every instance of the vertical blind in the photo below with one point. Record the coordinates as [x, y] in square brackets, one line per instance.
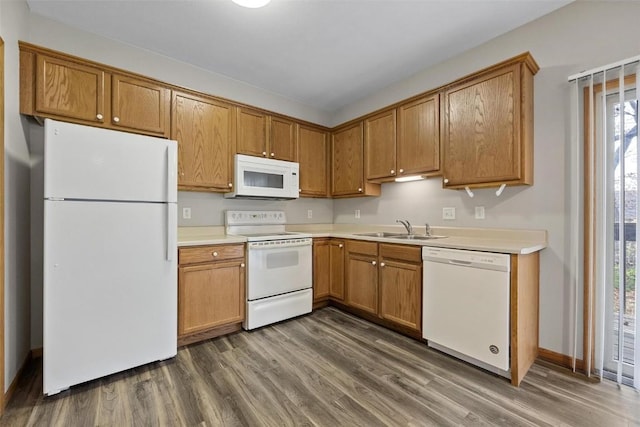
[605, 212]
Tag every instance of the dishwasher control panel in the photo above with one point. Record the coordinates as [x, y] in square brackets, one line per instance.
[487, 260]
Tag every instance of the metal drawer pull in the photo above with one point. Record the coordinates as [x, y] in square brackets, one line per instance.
[382, 264]
[373, 263]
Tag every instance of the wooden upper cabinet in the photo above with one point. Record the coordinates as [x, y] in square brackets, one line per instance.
[380, 145]
[140, 105]
[251, 130]
[262, 135]
[347, 164]
[418, 146]
[63, 89]
[313, 156]
[282, 139]
[203, 128]
[488, 127]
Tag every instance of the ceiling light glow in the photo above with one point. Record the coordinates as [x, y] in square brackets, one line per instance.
[252, 4]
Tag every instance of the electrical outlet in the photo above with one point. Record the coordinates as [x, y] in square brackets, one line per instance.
[357, 214]
[479, 212]
[448, 213]
[186, 213]
[309, 214]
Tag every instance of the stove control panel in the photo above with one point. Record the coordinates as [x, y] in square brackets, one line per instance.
[255, 217]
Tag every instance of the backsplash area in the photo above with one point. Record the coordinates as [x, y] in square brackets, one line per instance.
[209, 208]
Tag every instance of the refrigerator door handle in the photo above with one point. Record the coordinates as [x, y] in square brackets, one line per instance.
[172, 163]
[172, 230]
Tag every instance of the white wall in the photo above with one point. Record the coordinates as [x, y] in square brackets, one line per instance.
[579, 36]
[16, 180]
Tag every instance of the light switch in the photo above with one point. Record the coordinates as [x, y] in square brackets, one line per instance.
[186, 213]
[479, 212]
[357, 214]
[309, 213]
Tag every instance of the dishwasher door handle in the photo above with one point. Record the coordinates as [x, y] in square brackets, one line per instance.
[459, 262]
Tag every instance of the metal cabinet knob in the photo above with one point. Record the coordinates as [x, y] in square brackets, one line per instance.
[264, 153]
[116, 119]
[99, 117]
[215, 254]
[340, 245]
[360, 190]
[374, 263]
[273, 154]
[393, 172]
[382, 264]
[446, 181]
[230, 185]
[401, 170]
[242, 265]
[181, 173]
[299, 190]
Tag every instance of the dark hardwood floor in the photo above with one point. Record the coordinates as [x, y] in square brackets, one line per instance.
[326, 369]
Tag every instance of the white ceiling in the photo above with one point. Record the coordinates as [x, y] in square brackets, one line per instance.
[323, 53]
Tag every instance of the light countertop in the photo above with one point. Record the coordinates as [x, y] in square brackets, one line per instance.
[512, 241]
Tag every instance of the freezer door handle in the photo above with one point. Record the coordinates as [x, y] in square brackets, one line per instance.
[172, 165]
[172, 230]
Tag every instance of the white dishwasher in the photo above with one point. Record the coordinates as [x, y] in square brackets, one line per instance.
[465, 306]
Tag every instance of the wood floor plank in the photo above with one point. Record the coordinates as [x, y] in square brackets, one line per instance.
[325, 369]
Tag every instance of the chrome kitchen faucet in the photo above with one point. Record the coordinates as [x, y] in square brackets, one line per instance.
[407, 225]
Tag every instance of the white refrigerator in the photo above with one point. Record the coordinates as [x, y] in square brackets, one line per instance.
[110, 270]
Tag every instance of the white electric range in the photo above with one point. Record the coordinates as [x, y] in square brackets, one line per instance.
[279, 267]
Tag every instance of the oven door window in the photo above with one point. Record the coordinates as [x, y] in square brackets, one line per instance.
[263, 179]
[282, 260]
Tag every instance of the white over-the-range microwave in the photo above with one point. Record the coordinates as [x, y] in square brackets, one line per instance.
[260, 178]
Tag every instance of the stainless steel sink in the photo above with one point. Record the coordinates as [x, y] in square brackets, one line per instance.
[417, 237]
[378, 234]
[387, 235]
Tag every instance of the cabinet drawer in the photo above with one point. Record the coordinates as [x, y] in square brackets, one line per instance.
[401, 252]
[210, 253]
[360, 247]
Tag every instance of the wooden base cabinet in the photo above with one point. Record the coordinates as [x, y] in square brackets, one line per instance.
[385, 280]
[401, 285]
[211, 291]
[328, 270]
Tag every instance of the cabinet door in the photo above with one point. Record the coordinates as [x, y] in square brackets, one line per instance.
[419, 136]
[69, 90]
[482, 129]
[203, 128]
[347, 152]
[336, 280]
[313, 156]
[282, 139]
[140, 106]
[210, 295]
[251, 130]
[362, 282]
[401, 293]
[321, 269]
[380, 145]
